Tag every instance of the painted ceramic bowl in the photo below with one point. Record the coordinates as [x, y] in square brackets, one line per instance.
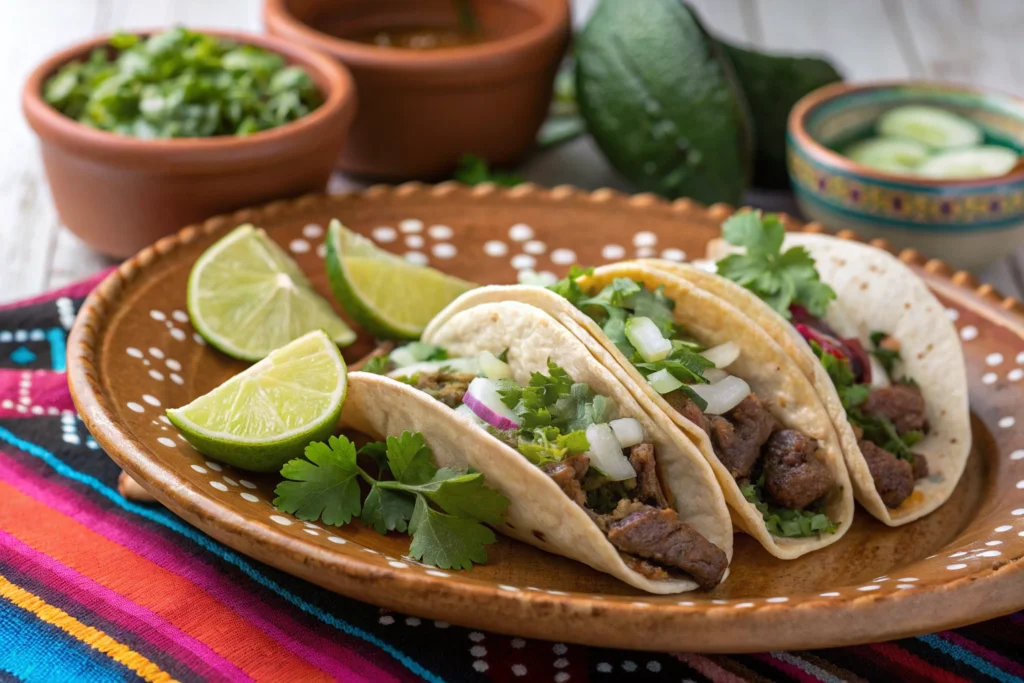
[420, 110]
[968, 223]
[120, 193]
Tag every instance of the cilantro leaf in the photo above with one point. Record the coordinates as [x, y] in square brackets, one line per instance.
[378, 365]
[886, 356]
[463, 494]
[547, 445]
[409, 458]
[569, 288]
[474, 170]
[787, 522]
[781, 279]
[386, 510]
[656, 306]
[378, 451]
[447, 541]
[324, 486]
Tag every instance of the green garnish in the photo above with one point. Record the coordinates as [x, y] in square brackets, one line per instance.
[474, 170]
[887, 357]
[378, 365]
[623, 299]
[181, 83]
[879, 430]
[780, 278]
[444, 510]
[786, 522]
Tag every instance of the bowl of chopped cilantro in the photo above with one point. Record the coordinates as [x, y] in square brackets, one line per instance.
[142, 134]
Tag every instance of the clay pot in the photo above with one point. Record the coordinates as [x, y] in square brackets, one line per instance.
[120, 193]
[421, 110]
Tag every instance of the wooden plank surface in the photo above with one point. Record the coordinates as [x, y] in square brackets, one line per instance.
[974, 41]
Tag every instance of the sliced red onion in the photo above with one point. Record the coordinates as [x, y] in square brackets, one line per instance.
[606, 453]
[722, 396]
[722, 355]
[483, 399]
[628, 431]
[827, 343]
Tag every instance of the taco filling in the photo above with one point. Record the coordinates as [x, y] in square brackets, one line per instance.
[885, 409]
[603, 463]
[778, 470]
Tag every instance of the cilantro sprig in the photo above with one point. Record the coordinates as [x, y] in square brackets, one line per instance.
[886, 356]
[444, 510]
[474, 170]
[787, 522]
[780, 278]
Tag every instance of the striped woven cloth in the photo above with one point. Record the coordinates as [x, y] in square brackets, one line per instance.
[95, 587]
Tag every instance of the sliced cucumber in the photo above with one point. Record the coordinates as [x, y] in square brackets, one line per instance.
[888, 154]
[987, 161]
[937, 128]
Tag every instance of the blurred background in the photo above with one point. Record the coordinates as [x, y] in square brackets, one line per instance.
[973, 42]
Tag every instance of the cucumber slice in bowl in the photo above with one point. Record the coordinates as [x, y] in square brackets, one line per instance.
[987, 161]
[931, 126]
[888, 154]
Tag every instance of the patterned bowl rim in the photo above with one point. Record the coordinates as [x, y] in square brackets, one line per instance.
[800, 138]
[992, 590]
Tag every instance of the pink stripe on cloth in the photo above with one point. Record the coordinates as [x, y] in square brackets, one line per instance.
[322, 652]
[791, 670]
[74, 291]
[30, 393]
[1002, 662]
[706, 667]
[121, 611]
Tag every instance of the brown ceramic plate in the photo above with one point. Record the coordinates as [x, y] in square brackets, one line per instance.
[133, 353]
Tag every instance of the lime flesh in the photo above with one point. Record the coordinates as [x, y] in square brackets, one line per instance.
[246, 297]
[384, 293]
[267, 414]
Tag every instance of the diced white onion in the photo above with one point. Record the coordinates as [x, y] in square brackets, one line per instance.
[647, 339]
[714, 375]
[606, 453]
[722, 355]
[467, 365]
[413, 352]
[483, 399]
[722, 396]
[628, 431]
[493, 367]
[663, 381]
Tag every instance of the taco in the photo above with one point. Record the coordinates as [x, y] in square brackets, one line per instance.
[884, 358]
[505, 389]
[722, 381]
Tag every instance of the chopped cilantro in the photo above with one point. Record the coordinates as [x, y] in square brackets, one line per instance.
[474, 170]
[787, 522]
[444, 510]
[378, 365]
[887, 357]
[569, 288]
[780, 278]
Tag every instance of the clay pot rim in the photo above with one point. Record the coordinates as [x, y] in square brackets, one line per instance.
[797, 130]
[333, 79]
[508, 54]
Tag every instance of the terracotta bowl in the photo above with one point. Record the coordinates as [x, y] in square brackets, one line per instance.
[120, 193]
[420, 110]
[966, 222]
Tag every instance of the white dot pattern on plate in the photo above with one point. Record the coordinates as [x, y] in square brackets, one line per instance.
[155, 352]
[511, 589]
[444, 250]
[613, 252]
[969, 332]
[777, 600]
[321, 250]
[645, 239]
[398, 565]
[312, 231]
[178, 334]
[173, 364]
[157, 375]
[1020, 484]
[535, 247]
[383, 234]
[904, 586]
[249, 497]
[199, 468]
[219, 486]
[673, 254]
[438, 574]
[414, 241]
[872, 587]
[410, 225]
[495, 248]
[283, 521]
[1007, 422]
[335, 539]
[164, 441]
[158, 315]
[522, 261]
[520, 232]
[417, 257]
[180, 316]
[1015, 375]
[1017, 455]
[132, 405]
[831, 594]
[246, 483]
[952, 314]
[563, 257]
[440, 232]
[989, 378]
[993, 359]
[214, 466]
[133, 352]
[955, 567]
[1018, 512]
[299, 246]
[645, 252]
[151, 400]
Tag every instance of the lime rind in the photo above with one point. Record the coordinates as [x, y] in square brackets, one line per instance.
[269, 413]
[247, 297]
[364, 278]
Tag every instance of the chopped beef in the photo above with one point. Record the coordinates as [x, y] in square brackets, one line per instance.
[685, 406]
[894, 478]
[901, 403]
[661, 536]
[793, 476]
[624, 508]
[567, 474]
[446, 387]
[645, 568]
[641, 457]
[737, 436]
[920, 466]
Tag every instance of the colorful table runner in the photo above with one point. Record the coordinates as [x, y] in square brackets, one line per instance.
[96, 587]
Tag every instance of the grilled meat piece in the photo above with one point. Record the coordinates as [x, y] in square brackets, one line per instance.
[793, 476]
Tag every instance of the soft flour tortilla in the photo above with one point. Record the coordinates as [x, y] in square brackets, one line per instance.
[540, 513]
[771, 373]
[875, 291]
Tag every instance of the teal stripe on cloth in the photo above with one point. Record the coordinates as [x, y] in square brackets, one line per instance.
[969, 658]
[32, 650]
[207, 543]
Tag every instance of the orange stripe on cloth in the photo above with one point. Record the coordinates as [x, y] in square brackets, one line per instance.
[94, 638]
[176, 599]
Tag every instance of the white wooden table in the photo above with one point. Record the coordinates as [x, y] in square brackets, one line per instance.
[973, 41]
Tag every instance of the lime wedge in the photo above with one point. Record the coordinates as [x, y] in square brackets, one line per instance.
[247, 297]
[266, 415]
[384, 293]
